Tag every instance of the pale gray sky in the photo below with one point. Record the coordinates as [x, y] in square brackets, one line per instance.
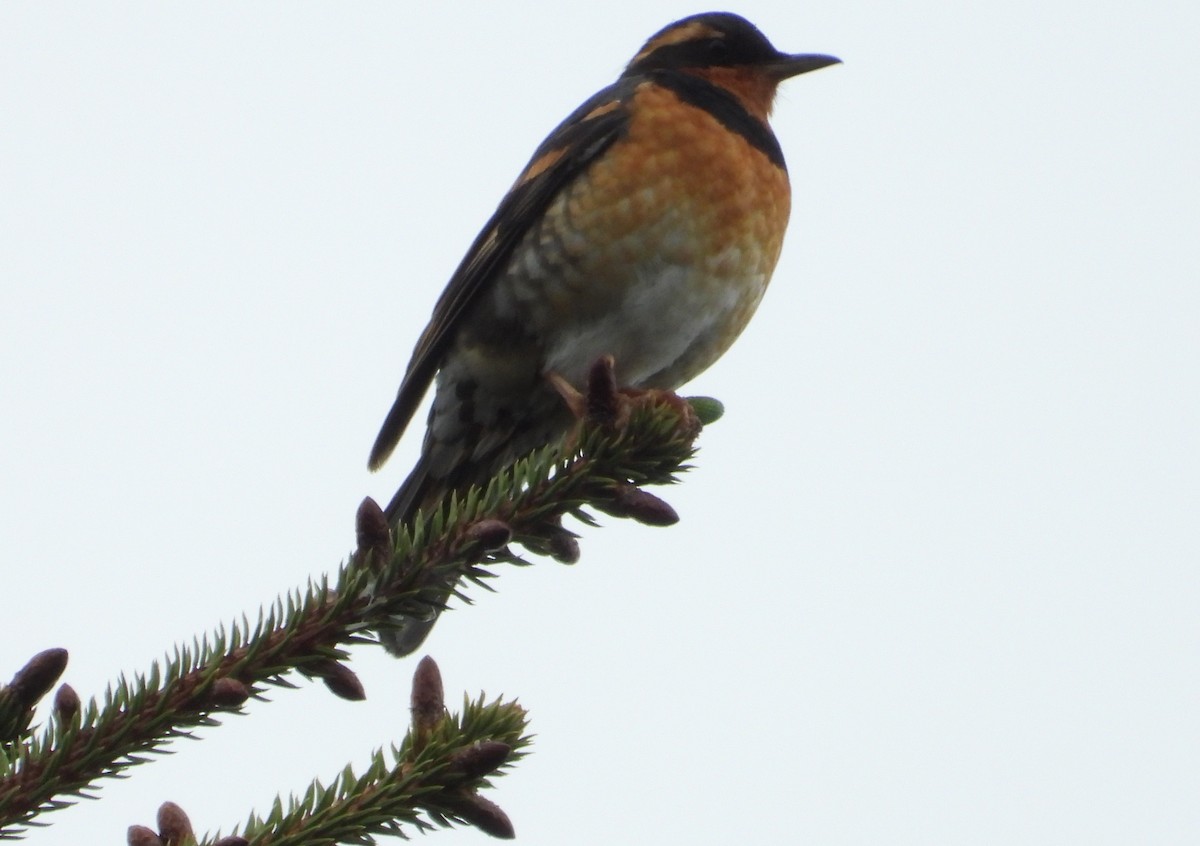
[937, 576]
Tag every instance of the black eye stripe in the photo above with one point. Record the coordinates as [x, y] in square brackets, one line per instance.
[705, 53]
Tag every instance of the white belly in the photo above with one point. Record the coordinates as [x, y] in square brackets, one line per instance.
[670, 325]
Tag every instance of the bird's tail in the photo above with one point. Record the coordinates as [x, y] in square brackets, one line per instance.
[413, 495]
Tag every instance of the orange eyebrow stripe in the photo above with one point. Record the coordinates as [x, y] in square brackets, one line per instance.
[694, 31]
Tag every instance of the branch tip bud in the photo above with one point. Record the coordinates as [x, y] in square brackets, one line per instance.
[643, 506]
[428, 701]
[479, 759]
[371, 530]
[174, 827]
[66, 703]
[140, 835]
[490, 534]
[482, 813]
[707, 409]
[563, 547]
[341, 681]
[228, 692]
[603, 401]
[34, 680]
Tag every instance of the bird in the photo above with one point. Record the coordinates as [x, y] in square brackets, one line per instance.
[645, 227]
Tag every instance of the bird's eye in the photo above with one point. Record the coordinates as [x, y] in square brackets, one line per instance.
[717, 50]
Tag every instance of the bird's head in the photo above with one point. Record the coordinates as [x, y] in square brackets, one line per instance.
[729, 51]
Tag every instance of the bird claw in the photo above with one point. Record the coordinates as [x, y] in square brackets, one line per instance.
[604, 404]
[609, 406]
[574, 400]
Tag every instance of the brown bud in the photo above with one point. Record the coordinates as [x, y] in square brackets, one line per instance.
[482, 813]
[174, 827]
[341, 681]
[562, 546]
[34, 680]
[139, 835]
[628, 501]
[603, 401]
[479, 759]
[490, 534]
[227, 693]
[428, 697]
[15, 717]
[371, 531]
[66, 703]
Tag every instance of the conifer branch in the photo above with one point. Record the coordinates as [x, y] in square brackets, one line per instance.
[431, 779]
[640, 440]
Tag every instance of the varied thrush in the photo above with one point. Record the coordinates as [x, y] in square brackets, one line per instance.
[645, 227]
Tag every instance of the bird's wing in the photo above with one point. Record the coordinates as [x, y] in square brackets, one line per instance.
[567, 151]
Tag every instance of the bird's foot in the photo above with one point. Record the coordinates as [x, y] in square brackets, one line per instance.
[609, 406]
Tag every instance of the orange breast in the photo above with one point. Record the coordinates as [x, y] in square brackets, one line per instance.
[660, 253]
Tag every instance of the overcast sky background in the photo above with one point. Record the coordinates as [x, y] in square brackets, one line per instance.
[936, 578]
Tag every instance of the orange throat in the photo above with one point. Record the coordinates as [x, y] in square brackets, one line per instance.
[754, 89]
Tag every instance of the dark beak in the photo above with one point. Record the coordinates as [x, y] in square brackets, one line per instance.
[787, 66]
